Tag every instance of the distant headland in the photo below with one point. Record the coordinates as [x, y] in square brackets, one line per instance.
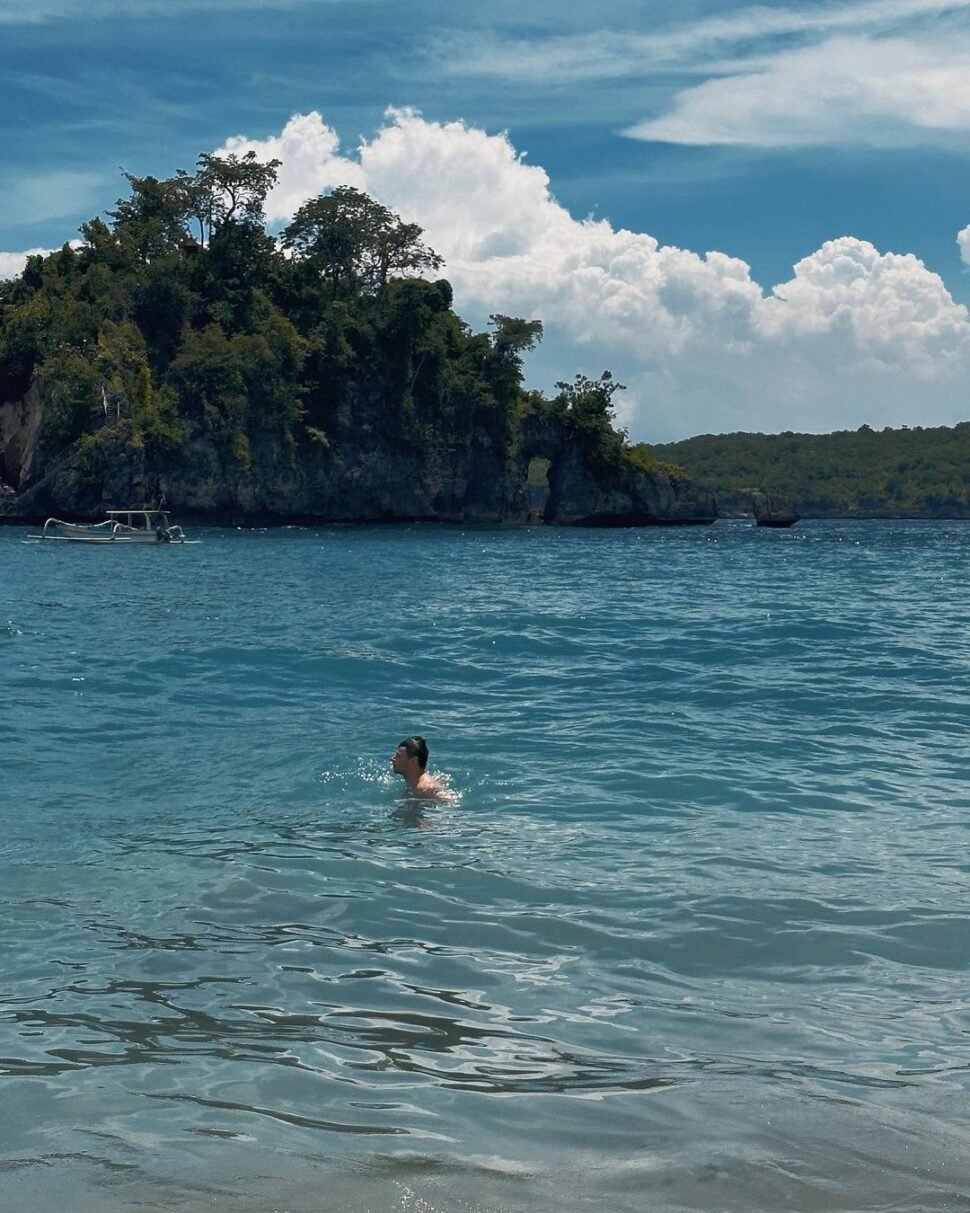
[864, 473]
[181, 352]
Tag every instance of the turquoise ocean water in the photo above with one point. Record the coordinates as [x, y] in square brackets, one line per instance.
[694, 935]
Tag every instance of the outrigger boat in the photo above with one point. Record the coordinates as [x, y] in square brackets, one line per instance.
[121, 526]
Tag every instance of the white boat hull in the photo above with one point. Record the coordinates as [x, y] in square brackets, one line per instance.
[121, 527]
[116, 539]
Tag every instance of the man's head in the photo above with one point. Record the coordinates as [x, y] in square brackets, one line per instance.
[410, 756]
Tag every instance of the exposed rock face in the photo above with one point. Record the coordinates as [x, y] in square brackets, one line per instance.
[578, 496]
[773, 510]
[361, 473]
[19, 438]
[640, 499]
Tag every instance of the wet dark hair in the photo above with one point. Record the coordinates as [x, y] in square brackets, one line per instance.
[416, 747]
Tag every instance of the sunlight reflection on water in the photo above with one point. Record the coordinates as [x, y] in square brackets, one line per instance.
[691, 934]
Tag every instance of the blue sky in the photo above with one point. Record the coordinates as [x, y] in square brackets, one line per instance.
[765, 135]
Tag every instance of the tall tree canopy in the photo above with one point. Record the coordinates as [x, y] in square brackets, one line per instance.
[153, 218]
[231, 188]
[158, 215]
[355, 243]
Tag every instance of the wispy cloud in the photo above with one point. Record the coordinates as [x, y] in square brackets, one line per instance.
[878, 73]
[40, 12]
[611, 53]
[49, 196]
[846, 91]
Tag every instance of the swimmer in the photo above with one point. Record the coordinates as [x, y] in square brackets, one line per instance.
[410, 760]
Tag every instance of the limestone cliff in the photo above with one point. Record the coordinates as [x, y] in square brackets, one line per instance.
[362, 471]
[20, 425]
[773, 510]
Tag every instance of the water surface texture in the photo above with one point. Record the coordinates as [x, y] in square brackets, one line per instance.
[694, 934]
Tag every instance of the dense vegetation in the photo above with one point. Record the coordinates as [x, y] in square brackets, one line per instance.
[889, 473]
[181, 316]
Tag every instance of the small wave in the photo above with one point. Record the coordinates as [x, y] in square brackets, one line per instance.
[705, 852]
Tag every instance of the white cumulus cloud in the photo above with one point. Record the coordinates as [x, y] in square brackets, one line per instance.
[311, 162]
[12, 264]
[856, 335]
[963, 240]
[888, 307]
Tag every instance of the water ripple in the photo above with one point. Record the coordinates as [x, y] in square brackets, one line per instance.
[694, 926]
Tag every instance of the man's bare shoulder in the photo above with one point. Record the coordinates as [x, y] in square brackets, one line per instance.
[427, 785]
[431, 788]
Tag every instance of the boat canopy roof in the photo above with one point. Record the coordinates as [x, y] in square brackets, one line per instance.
[139, 517]
[144, 513]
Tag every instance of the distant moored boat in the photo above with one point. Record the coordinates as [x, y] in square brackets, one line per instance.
[120, 527]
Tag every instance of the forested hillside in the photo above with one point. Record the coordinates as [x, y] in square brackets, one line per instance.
[865, 473]
[183, 315]
[184, 351]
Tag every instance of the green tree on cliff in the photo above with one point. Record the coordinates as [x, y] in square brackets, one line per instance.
[355, 244]
[230, 189]
[261, 349]
[152, 220]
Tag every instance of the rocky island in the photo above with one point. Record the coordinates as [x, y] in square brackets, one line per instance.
[182, 353]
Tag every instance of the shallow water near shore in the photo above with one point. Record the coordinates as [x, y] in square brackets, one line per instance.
[694, 935]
